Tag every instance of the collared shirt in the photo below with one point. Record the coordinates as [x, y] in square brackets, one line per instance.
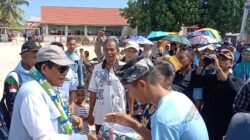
[69, 84]
[35, 116]
[110, 93]
[76, 67]
[242, 99]
[242, 70]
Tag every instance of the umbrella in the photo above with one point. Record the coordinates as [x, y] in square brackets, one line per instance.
[202, 40]
[156, 35]
[140, 40]
[177, 39]
[210, 32]
[193, 34]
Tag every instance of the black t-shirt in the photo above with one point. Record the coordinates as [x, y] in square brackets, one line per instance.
[183, 83]
[218, 97]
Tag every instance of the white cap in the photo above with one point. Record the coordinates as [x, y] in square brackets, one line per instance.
[132, 44]
[210, 47]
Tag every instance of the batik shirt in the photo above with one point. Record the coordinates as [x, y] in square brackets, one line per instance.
[110, 93]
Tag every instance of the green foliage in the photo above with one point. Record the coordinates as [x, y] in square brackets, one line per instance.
[170, 15]
[165, 15]
[11, 15]
[224, 15]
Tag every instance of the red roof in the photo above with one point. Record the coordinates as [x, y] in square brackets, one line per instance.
[82, 16]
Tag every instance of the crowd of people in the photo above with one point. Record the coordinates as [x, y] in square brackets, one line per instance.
[162, 91]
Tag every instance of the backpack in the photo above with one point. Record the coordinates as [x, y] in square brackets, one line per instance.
[4, 113]
[4, 121]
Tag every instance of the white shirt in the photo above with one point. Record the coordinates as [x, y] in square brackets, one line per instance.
[69, 84]
[110, 94]
[35, 117]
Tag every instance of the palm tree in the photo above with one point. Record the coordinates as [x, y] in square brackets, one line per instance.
[11, 15]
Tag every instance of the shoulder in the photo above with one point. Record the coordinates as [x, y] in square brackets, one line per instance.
[30, 88]
[238, 80]
[245, 88]
[98, 66]
[11, 78]
[76, 56]
[174, 102]
[238, 66]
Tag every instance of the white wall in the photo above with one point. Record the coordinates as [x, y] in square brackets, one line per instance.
[128, 31]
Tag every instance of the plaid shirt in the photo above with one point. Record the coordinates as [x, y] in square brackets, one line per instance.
[242, 100]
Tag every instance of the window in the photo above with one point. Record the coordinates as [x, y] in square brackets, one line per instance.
[92, 30]
[116, 30]
[76, 30]
[56, 29]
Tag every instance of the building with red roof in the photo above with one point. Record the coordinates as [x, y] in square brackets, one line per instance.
[83, 21]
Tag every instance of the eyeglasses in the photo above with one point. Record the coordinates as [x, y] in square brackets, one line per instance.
[61, 69]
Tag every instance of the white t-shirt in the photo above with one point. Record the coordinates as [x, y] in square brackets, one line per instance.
[110, 94]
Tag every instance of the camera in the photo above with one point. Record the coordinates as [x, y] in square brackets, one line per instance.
[207, 60]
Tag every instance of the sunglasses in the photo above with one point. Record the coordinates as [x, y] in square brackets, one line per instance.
[62, 69]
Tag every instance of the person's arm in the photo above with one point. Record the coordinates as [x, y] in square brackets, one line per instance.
[92, 89]
[126, 120]
[220, 73]
[80, 73]
[11, 87]
[91, 108]
[98, 45]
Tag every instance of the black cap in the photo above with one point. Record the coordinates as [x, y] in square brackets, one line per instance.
[30, 45]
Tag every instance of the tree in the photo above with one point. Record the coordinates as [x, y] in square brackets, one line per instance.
[165, 15]
[11, 15]
[223, 15]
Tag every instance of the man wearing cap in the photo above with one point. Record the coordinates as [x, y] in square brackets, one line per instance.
[20, 74]
[131, 51]
[242, 69]
[219, 91]
[39, 112]
[176, 117]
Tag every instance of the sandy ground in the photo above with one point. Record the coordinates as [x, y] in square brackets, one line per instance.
[9, 58]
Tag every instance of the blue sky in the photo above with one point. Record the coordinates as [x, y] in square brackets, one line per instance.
[34, 8]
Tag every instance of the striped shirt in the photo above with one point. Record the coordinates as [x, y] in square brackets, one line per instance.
[242, 100]
[83, 111]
